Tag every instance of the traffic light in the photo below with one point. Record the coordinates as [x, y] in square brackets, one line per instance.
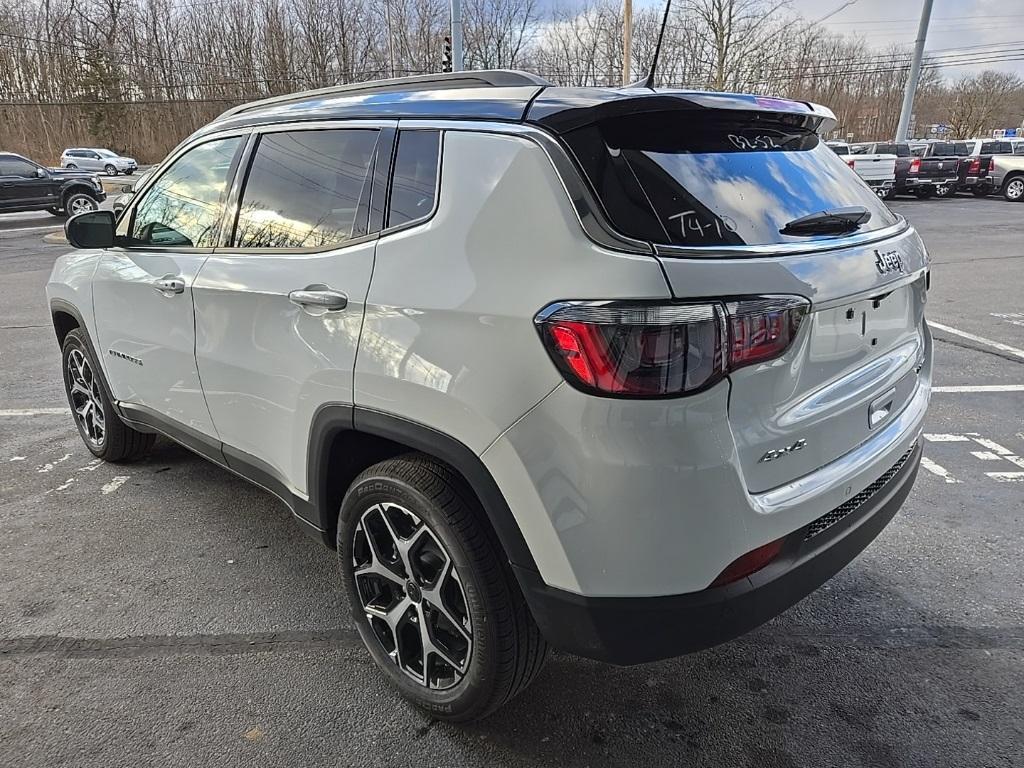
[446, 57]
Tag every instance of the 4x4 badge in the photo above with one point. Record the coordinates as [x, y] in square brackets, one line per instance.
[887, 262]
[778, 453]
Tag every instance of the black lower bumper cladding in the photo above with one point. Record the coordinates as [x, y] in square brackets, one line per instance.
[606, 628]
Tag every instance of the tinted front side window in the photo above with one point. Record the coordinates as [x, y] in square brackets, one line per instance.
[304, 189]
[730, 179]
[13, 166]
[414, 179]
[184, 206]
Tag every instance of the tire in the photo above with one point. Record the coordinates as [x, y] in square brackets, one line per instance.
[1013, 189]
[890, 194]
[495, 650]
[110, 170]
[948, 190]
[56, 212]
[79, 202]
[102, 431]
[981, 191]
[924, 193]
[71, 165]
[129, 172]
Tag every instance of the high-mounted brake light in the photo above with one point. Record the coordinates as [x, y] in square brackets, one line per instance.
[915, 165]
[642, 349]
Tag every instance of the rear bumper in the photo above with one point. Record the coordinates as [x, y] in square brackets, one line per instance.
[915, 182]
[633, 630]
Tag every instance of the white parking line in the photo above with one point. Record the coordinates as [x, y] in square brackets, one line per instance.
[967, 388]
[32, 229]
[986, 456]
[980, 339]
[935, 469]
[1007, 477]
[15, 412]
[933, 438]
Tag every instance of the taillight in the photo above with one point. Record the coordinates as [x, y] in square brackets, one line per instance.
[852, 163]
[915, 165]
[753, 561]
[641, 349]
[975, 167]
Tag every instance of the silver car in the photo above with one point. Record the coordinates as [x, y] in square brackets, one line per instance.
[93, 159]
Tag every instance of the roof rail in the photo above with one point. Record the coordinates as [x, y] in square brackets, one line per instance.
[486, 78]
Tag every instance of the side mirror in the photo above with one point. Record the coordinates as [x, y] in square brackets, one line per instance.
[92, 229]
[41, 173]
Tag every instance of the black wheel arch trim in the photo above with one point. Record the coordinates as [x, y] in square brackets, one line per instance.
[333, 419]
[62, 305]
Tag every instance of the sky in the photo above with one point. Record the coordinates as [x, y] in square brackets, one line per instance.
[998, 25]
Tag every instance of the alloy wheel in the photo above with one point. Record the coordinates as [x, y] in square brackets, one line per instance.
[412, 596]
[81, 204]
[86, 402]
[1015, 189]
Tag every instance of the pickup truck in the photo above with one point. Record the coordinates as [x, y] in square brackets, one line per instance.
[1007, 175]
[28, 186]
[878, 171]
[904, 159]
[932, 173]
[980, 153]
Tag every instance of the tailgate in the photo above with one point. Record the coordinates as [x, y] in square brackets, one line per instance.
[938, 168]
[852, 367]
[875, 168]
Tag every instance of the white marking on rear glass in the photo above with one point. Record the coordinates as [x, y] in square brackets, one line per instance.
[935, 469]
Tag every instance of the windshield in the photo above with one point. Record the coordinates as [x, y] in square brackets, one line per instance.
[105, 153]
[739, 179]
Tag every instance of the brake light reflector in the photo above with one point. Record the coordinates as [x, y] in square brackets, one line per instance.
[643, 349]
[753, 561]
[915, 165]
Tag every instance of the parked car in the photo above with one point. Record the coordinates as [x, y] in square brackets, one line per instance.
[28, 186]
[878, 171]
[505, 347]
[1007, 175]
[92, 159]
[128, 191]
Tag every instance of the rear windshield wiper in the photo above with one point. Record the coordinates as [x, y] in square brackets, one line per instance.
[836, 221]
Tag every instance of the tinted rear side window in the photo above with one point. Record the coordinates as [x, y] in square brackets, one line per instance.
[414, 179]
[305, 189]
[732, 179]
[996, 148]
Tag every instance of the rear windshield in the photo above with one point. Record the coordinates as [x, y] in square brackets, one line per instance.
[956, 148]
[730, 179]
[996, 148]
[900, 150]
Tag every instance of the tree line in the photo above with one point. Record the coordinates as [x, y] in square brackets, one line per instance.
[140, 75]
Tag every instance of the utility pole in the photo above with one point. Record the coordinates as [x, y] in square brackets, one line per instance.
[915, 72]
[456, 35]
[627, 40]
[391, 37]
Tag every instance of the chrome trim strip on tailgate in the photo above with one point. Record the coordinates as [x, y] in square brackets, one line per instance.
[907, 424]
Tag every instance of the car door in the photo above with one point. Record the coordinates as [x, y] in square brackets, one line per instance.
[278, 313]
[142, 290]
[20, 184]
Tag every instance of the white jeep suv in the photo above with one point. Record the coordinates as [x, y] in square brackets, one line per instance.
[625, 372]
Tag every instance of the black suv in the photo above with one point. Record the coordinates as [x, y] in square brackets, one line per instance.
[28, 186]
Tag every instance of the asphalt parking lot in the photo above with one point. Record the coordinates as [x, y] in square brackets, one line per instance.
[167, 613]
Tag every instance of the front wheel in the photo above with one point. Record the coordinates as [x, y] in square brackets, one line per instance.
[102, 430]
[431, 591]
[72, 166]
[1013, 190]
[110, 170]
[79, 202]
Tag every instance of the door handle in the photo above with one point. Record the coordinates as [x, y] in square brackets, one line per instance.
[319, 297]
[169, 285]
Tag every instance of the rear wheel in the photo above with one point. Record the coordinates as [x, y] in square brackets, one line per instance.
[102, 430]
[946, 190]
[1013, 189]
[431, 591]
[71, 165]
[890, 194]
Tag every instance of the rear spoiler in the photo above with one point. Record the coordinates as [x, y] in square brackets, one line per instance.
[565, 109]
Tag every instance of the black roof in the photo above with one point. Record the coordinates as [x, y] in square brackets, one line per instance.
[494, 95]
